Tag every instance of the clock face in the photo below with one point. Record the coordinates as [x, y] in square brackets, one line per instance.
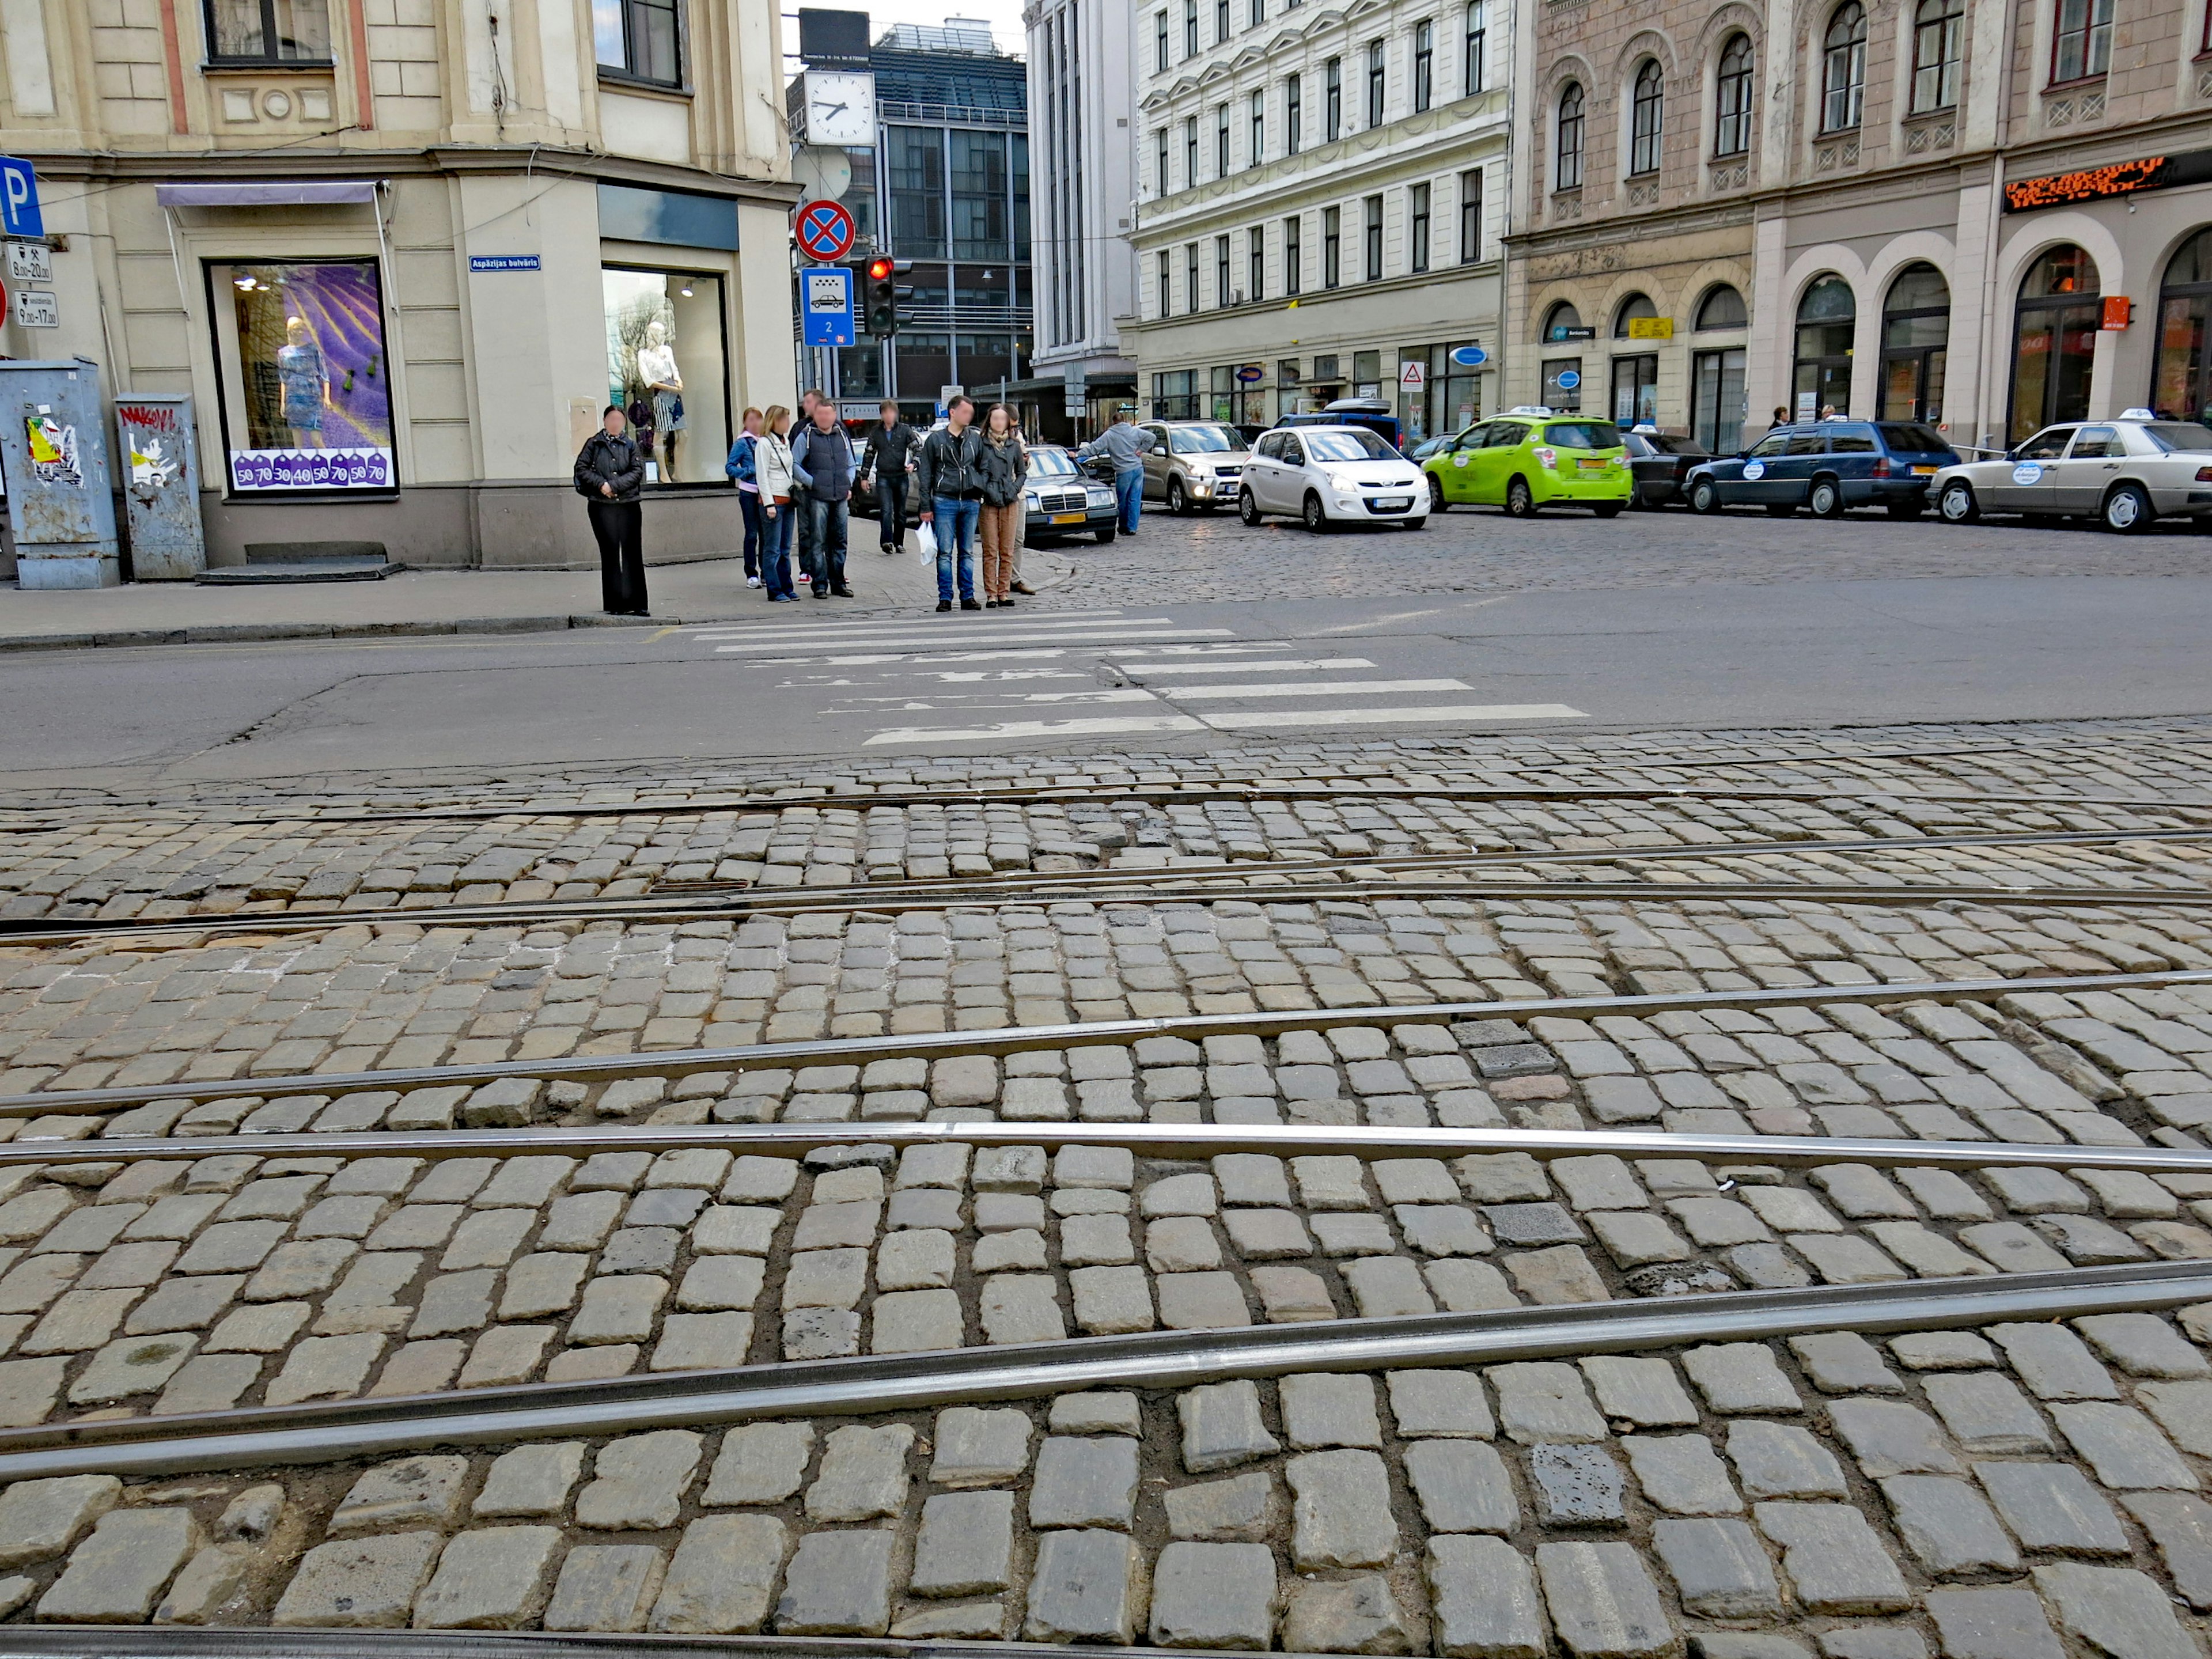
[840, 108]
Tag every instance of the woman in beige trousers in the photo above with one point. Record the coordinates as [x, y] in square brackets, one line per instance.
[1005, 468]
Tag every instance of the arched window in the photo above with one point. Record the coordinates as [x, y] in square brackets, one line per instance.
[1827, 320]
[1732, 99]
[1568, 173]
[2054, 340]
[1646, 115]
[1915, 328]
[1478, 35]
[1938, 26]
[1561, 322]
[1634, 308]
[1721, 308]
[1635, 374]
[1843, 68]
[2181, 383]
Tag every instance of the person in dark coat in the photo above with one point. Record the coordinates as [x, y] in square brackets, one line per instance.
[609, 473]
[888, 460]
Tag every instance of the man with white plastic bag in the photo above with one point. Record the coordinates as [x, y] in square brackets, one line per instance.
[948, 468]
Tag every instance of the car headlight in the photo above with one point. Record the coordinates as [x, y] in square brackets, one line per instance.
[1101, 497]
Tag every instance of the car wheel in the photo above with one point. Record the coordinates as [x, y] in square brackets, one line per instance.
[1520, 500]
[1106, 536]
[2128, 509]
[1956, 505]
[1607, 509]
[1782, 509]
[1436, 501]
[1905, 510]
[1246, 508]
[1704, 497]
[1176, 503]
[1826, 499]
[1316, 516]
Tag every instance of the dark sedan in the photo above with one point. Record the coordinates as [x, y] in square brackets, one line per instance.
[1661, 465]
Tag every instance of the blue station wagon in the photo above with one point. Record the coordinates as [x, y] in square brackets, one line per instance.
[1828, 466]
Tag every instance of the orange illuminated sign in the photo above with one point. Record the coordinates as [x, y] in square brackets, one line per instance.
[2114, 179]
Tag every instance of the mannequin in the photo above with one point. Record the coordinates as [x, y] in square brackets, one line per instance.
[306, 384]
[656, 367]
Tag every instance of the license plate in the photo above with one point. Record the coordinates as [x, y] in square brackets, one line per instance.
[1925, 472]
[1593, 466]
[1067, 518]
[1394, 504]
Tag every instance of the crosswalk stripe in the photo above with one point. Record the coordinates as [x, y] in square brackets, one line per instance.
[1502, 711]
[1103, 726]
[863, 631]
[1315, 688]
[1242, 667]
[952, 699]
[1094, 636]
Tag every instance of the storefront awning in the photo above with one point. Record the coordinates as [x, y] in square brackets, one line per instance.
[285, 194]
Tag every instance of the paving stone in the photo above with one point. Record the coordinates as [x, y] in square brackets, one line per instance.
[1194, 1301]
[1834, 1560]
[1738, 1377]
[605, 1587]
[1018, 1308]
[977, 1447]
[1355, 1614]
[760, 1463]
[1544, 1400]
[639, 1482]
[923, 1259]
[1949, 1526]
[1105, 1412]
[1779, 1460]
[1263, 1235]
[2181, 1527]
[1741, 1644]
[1484, 1593]
[1888, 1437]
[1576, 1487]
[1719, 1568]
[411, 1493]
[1111, 1301]
[1987, 1411]
[1502, 1177]
[1527, 1226]
[1643, 1392]
[618, 1309]
[863, 1474]
[2115, 1610]
[1080, 1589]
[1084, 1482]
[359, 1583]
[2054, 1362]
[1445, 1404]
[1602, 1601]
[119, 1573]
[490, 1578]
[722, 1574]
[838, 1583]
[1340, 1510]
[1323, 1410]
[1682, 1475]
[41, 1519]
[969, 1620]
[1942, 1350]
[1214, 1595]
[965, 1545]
[2006, 1622]
[531, 1481]
[1843, 1362]
[909, 1321]
[1292, 1295]
[1242, 1510]
[1221, 1427]
[1462, 1485]
[2143, 1344]
[2122, 1447]
[2052, 1506]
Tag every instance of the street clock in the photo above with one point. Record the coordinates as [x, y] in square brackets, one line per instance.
[841, 106]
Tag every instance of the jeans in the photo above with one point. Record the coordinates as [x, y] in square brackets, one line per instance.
[749, 504]
[890, 512]
[1129, 497]
[619, 529]
[825, 536]
[956, 534]
[1002, 540]
[775, 552]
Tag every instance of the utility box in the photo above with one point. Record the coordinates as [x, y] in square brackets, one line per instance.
[159, 447]
[61, 501]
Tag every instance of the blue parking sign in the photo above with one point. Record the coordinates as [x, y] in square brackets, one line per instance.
[19, 199]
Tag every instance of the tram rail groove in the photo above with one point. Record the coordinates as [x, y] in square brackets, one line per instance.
[1161, 1141]
[339, 1431]
[302, 1642]
[1022, 1039]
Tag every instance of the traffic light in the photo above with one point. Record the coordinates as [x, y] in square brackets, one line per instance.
[883, 294]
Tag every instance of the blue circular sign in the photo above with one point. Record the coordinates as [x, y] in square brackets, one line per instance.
[1249, 373]
[1569, 379]
[2027, 472]
[1754, 471]
[1469, 356]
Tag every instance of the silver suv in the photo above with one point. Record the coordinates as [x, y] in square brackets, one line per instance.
[1194, 465]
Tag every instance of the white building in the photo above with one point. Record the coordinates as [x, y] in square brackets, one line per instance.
[1083, 184]
[1323, 198]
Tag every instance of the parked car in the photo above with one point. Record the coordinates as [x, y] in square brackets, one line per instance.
[1194, 465]
[1332, 475]
[1829, 466]
[1660, 464]
[1529, 458]
[1428, 447]
[2127, 473]
[1059, 501]
[1369, 412]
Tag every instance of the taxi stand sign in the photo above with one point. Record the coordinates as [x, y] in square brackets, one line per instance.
[826, 318]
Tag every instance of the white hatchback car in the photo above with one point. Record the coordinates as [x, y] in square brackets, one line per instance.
[1332, 475]
[2125, 473]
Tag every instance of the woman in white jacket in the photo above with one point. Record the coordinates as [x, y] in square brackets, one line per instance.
[772, 467]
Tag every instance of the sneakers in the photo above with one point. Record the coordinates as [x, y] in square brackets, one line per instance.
[945, 604]
[752, 581]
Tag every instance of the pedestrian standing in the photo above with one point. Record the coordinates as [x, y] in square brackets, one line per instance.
[822, 461]
[609, 473]
[887, 460]
[1781, 415]
[1125, 444]
[1005, 467]
[740, 468]
[802, 565]
[950, 471]
[772, 468]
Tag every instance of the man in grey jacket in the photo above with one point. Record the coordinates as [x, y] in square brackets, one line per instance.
[1125, 444]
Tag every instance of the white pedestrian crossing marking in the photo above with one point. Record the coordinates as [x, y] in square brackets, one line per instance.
[1316, 689]
[1242, 667]
[1500, 711]
[1101, 727]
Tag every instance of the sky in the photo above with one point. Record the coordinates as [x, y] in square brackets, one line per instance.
[1004, 17]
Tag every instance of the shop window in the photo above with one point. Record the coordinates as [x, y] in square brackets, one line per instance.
[2081, 45]
[1916, 330]
[1827, 322]
[1367, 373]
[1635, 308]
[269, 30]
[1563, 383]
[2181, 382]
[306, 385]
[1175, 395]
[915, 172]
[1732, 98]
[1938, 33]
[1716, 400]
[1567, 173]
[1648, 104]
[2054, 340]
[1721, 308]
[1843, 68]
[1636, 390]
[639, 39]
[668, 367]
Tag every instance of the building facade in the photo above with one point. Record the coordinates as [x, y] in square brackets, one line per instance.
[1985, 214]
[1323, 194]
[401, 252]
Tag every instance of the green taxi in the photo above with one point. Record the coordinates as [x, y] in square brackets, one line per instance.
[1528, 458]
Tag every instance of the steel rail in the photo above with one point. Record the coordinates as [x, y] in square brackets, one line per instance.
[1188, 1141]
[1021, 1039]
[258, 1436]
[299, 1642]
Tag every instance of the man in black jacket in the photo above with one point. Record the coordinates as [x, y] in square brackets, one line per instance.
[888, 459]
[609, 473]
[952, 498]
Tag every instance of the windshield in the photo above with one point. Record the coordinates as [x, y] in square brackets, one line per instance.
[1354, 446]
[1914, 439]
[1202, 439]
[1582, 434]
[1051, 463]
[2170, 436]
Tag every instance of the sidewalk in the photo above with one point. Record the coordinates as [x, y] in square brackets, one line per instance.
[451, 602]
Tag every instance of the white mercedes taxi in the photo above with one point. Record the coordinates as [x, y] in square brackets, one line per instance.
[2125, 472]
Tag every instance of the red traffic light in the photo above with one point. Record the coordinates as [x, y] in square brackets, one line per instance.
[880, 269]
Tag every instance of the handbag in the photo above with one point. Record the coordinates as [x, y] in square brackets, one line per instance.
[925, 541]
